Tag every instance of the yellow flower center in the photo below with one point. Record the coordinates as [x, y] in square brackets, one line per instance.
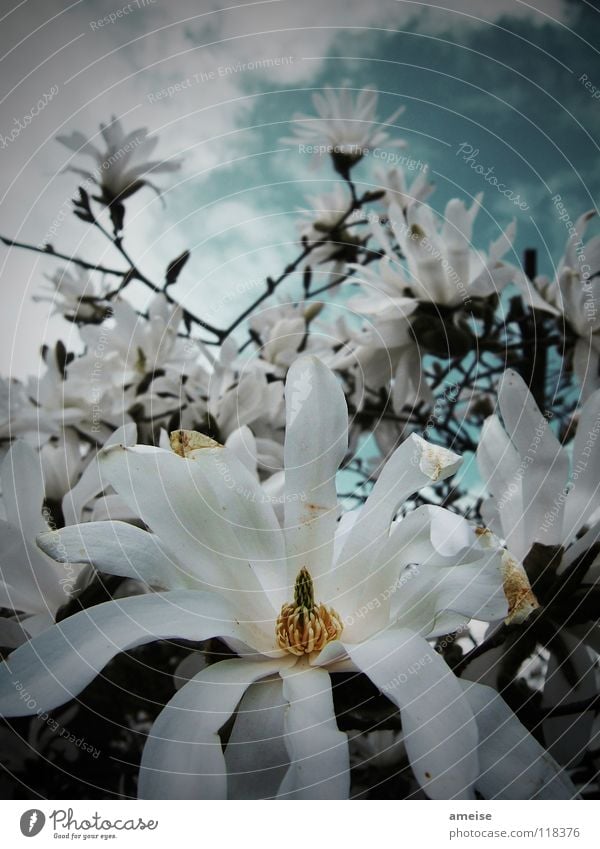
[304, 627]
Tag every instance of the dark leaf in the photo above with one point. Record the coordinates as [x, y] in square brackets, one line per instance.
[175, 267]
[61, 357]
[117, 216]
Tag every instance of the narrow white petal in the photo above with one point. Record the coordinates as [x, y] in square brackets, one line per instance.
[544, 462]
[583, 498]
[473, 591]
[211, 513]
[183, 756]
[256, 754]
[242, 443]
[117, 549]
[318, 751]
[54, 667]
[316, 441]
[426, 540]
[23, 488]
[440, 732]
[502, 471]
[90, 483]
[413, 465]
[513, 765]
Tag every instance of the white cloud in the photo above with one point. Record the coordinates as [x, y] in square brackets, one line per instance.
[116, 67]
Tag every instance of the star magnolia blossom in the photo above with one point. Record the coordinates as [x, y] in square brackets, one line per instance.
[297, 604]
[283, 330]
[385, 351]
[345, 128]
[397, 189]
[575, 293]
[30, 582]
[130, 347]
[544, 503]
[19, 416]
[324, 226]
[121, 169]
[229, 395]
[76, 295]
[534, 496]
[442, 265]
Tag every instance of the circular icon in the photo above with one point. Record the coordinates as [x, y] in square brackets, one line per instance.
[32, 822]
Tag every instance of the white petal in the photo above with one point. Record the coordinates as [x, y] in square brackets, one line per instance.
[440, 732]
[243, 444]
[23, 488]
[117, 549]
[474, 591]
[256, 754]
[54, 667]
[513, 765]
[90, 483]
[210, 511]
[413, 465]
[544, 461]
[502, 471]
[30, 581]
[582, 500]
[316, 441]
[586, 362]
[183, 756]
[410, 576]
[318, 751]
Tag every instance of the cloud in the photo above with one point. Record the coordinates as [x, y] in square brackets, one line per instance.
[104, 66]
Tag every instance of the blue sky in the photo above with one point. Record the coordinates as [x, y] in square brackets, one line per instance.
[504, 77]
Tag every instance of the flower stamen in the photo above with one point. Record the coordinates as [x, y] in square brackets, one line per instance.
[304, 627]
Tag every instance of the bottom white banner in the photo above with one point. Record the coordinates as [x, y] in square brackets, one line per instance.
[198, 823]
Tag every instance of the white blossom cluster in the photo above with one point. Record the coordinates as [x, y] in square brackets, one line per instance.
[201, 461]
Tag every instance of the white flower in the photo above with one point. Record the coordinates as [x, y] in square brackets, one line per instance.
[61, 462]
[127, 348]
[288, 330]
[19, 416]
[575, 294]
[544, 503]
[123, 167]
[397, 189]
[30, 582]
[297, 604]
[534, 497]
[322, 225]
[345, 127]
[323, 213]
[230, 395]
[386, 352]
[77, 296]
[388, 294]
[62, 398]
[442, 266]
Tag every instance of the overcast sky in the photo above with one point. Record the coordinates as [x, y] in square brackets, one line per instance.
[515, 81]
